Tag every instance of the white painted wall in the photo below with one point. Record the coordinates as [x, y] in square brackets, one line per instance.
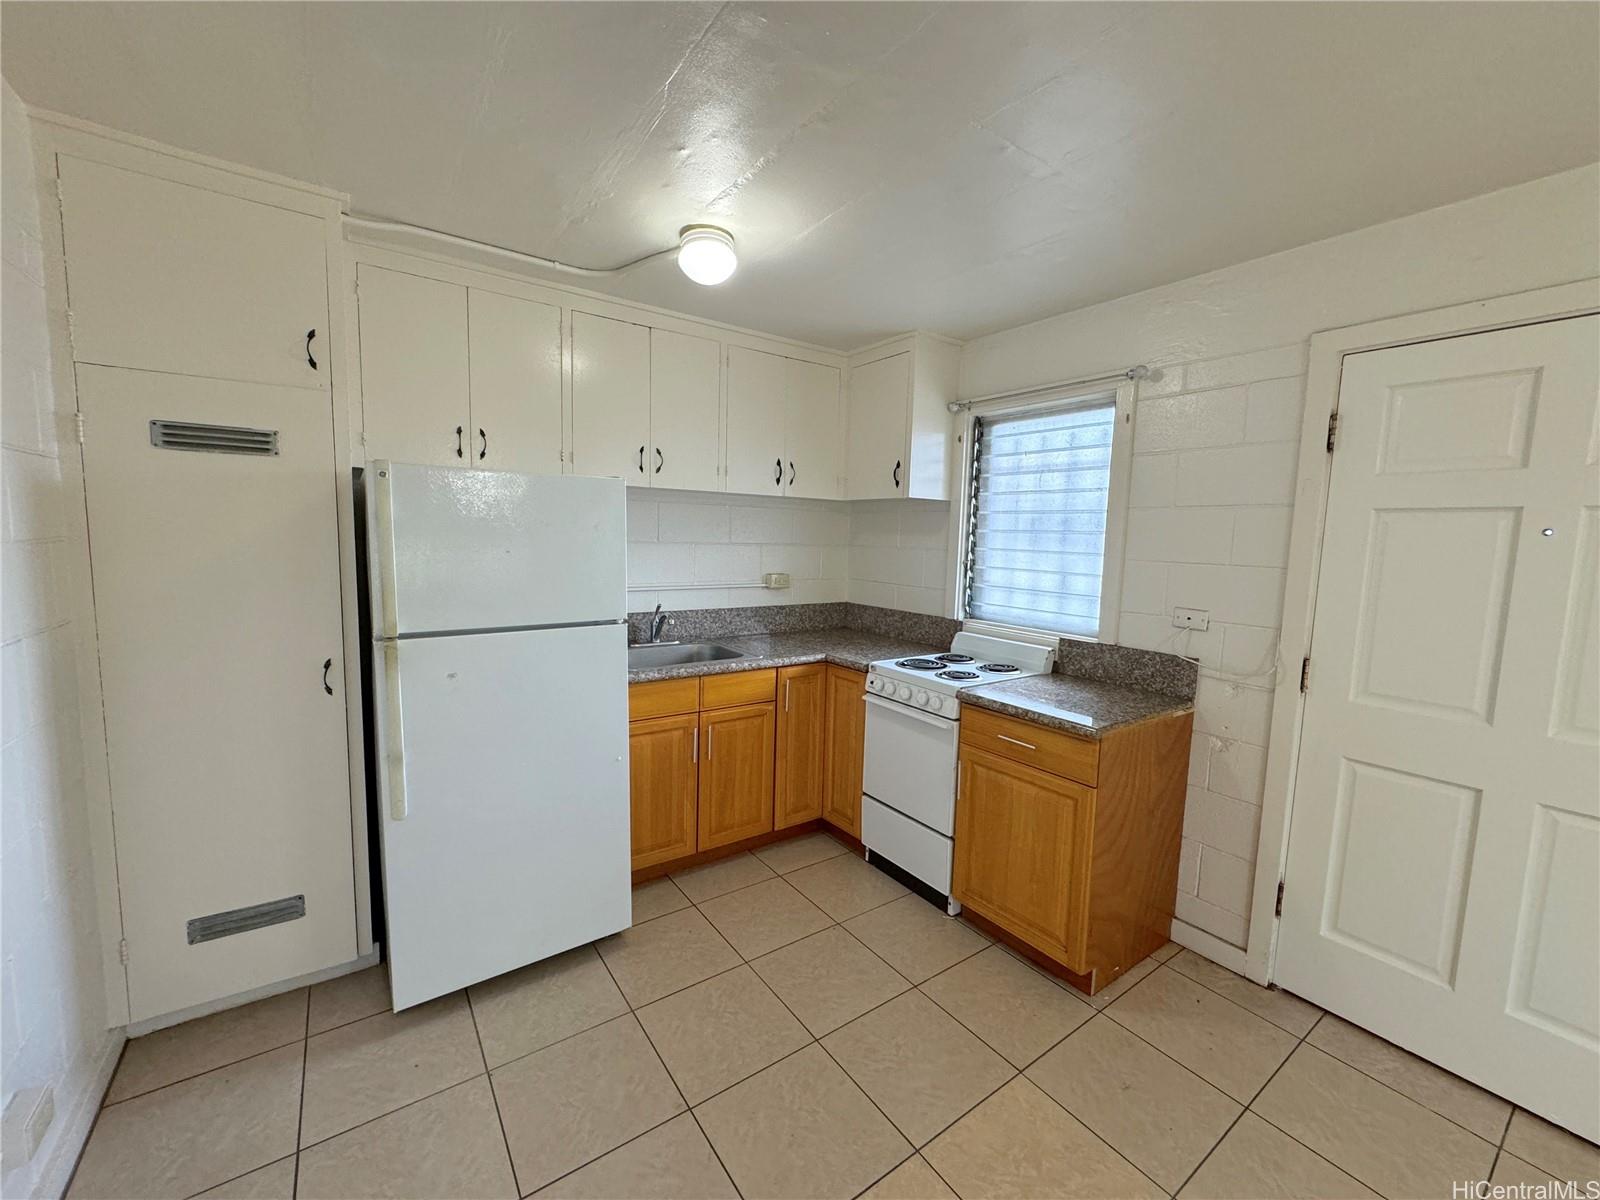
[54, 1031]
[1215, 445]
[684, 548]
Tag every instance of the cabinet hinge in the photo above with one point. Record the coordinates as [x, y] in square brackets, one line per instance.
[77, 425]
[1277, 910]
[122, 951]
[1333, 430]
[1305, 673]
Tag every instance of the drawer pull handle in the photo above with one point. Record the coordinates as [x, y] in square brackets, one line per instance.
[1016, 742]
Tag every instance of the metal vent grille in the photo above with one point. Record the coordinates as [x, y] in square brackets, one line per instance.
[212, 439]
[242, 920]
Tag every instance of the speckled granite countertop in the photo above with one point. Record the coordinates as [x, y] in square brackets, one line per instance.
[853, 648]
[1085, 707]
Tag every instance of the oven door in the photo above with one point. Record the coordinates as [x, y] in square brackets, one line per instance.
[911, 763]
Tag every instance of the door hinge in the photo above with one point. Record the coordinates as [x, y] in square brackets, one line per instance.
[1305, 673]
[1333, 430]
[1277, 910]
[77, 425]
[122, 951]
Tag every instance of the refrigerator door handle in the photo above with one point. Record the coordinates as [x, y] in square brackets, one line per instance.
[394, 733]
[383, 546]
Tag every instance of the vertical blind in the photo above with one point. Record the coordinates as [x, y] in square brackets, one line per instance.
[1037, 523]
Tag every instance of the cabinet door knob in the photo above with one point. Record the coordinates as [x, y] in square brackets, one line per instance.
[777, 477]
[459, 450]
[791, 472]
[311, 335]
[897, 473]
[660, 459]
[641, 460]
[327, 665]
[483, 451]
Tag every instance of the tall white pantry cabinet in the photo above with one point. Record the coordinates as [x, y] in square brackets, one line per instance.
[201, 350]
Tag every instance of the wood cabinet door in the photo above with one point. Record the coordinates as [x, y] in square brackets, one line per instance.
[802, 744]
[413, 367]
[685, 411]
[610, 398]
[663, 776]
[1022, 851]
[166, 276]
[757, 388]
[880, 415]
[735, 774]
[813, 436]
[846, 743]
[514, 352]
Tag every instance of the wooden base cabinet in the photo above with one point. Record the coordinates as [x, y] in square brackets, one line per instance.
[735, 774]
[846, 746]
[1071, 845]
[664, 774]
[800, 778]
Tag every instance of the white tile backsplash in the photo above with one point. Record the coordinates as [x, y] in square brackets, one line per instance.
[899, 555]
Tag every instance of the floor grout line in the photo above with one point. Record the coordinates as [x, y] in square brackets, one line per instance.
[494, 1095]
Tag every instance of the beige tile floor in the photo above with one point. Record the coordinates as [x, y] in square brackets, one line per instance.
[795, 1024]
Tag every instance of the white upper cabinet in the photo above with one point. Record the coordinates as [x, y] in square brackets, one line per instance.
[514, 368]
[685, 410]
[757, 387]
[413, 367]
[813, 458]
[610, 398]
[880, 412]
[162, 276]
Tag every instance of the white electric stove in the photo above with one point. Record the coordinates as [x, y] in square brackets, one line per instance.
[913, 724]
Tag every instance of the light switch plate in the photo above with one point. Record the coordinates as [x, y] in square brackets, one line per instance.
[1191, 618]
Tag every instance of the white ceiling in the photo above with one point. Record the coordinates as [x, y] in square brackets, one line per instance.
[953, 167]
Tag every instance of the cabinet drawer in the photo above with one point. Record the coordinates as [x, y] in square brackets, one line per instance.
[1024, 742]
[742, 687]
[662, 698]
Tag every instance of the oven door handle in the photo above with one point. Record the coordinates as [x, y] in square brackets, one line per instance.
[902, 710]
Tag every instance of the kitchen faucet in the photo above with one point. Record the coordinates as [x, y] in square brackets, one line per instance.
[658, 620]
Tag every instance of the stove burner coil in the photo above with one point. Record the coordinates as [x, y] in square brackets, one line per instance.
[958, 676]
[921, 664]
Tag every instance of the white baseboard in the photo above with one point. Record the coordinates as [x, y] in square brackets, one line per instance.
[1208, 945]
[151, 1024]
[75, 1123]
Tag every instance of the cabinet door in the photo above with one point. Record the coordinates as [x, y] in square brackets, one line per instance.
[846, 740]
[663, 772]
[685, 411]
[413, 367]
[735, 774]
[802, 745]
[880, 412]
[217, 582]
[168, 277]
[1022, 851]
[813, 433]
[757, 386]
[610, 398]
[514, 361]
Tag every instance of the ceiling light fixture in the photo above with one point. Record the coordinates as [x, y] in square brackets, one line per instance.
[706, 254]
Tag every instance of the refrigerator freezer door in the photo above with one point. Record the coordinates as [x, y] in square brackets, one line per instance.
[468, 550]
[512, 841]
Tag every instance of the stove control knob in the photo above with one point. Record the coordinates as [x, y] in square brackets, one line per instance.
[923, 698]
[904, 691]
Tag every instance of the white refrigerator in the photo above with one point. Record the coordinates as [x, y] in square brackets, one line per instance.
[501, 713]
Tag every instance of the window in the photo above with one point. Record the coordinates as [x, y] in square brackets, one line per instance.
[1037, 522]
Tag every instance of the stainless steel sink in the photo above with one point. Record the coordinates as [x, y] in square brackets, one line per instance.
[674, 654]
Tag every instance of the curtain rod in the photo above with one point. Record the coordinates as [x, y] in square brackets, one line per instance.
[1132, 373]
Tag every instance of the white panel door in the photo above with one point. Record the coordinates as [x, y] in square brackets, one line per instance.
[166, 277]
[216, 586]
[511, 842]
[413, 367]
[813, 432]
[610, 398]
[879, 418]
[757, 387]
[685, 411]
[1443, 883]
[459, 549]
[514, 364]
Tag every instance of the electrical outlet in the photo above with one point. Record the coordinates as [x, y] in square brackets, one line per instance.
[775, 579]
[1191, 618]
